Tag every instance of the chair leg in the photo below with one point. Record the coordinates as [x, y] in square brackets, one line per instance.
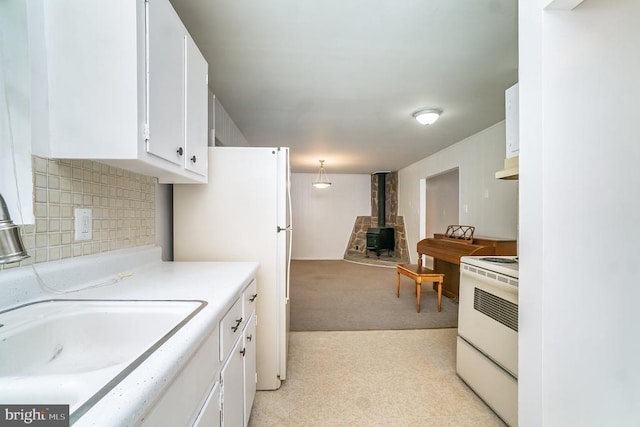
[418, 288]
[440, 295]
[398, 286]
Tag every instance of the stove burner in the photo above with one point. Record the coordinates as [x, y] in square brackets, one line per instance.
[501, 260]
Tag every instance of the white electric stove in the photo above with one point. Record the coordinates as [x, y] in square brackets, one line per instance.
[487, 347]
[507, 265]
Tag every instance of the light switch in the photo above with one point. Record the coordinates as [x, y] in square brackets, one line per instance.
[83, 224]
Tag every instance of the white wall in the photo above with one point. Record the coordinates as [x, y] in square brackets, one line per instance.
[485, 202]
[530, 407]
[580, 151]
[323, 218]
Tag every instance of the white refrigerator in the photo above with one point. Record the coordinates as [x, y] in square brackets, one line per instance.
[244, 214]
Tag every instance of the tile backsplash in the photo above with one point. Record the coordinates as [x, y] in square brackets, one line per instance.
[122, 205]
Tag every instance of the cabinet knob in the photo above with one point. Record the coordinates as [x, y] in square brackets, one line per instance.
[193, 159]
[180, 151]
[242, 352]
[249, 337]
[253, 297]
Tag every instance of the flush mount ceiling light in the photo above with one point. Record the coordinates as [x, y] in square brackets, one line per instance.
[322, 181]
[427, 116]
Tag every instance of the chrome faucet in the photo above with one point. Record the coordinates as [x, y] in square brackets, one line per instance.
[11, 248]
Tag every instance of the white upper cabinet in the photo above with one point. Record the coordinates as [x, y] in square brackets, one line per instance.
[113, 84]
[196, 154]
[166, 88]
[512, 120]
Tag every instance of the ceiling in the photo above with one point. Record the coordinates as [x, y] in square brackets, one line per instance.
[339, 80]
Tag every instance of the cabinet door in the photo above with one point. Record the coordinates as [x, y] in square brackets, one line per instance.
[512, 122]
[165, 82]
[233, 388]
[249, 367]
[210, 416]
[196, 115]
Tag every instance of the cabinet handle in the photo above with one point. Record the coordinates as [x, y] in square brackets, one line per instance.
[180, 151]
[193, 159]
[242, 352]
[249, 337]
[253, 297]
[238, 322]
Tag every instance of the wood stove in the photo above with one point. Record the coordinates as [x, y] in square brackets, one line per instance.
[380, 238]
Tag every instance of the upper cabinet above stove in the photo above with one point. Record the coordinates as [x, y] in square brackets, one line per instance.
[512, 120]
[512, 125]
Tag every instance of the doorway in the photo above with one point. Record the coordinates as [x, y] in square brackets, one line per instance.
[441, 205]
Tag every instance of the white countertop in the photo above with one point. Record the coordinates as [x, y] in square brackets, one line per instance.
[218, 283]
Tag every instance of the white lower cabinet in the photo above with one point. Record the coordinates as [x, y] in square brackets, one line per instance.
[233, 388]
[218, 384]
[249, 367]
[230, 400]
[211, 414]
[181, 402]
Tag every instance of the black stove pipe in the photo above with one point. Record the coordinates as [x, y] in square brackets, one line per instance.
[382, 193]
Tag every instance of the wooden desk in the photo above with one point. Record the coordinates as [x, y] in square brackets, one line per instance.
[446, 253]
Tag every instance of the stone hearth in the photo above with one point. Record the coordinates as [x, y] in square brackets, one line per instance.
[356, 248]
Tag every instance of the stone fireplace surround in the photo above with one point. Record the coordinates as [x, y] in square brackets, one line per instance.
[356, 247]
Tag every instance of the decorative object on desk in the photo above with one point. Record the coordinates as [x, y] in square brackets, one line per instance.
[11, 248]
[322, 181]
[462, 232]
[427, 116]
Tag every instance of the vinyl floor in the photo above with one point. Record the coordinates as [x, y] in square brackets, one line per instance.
[372, 378]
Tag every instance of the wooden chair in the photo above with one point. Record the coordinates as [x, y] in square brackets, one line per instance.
[420, 274]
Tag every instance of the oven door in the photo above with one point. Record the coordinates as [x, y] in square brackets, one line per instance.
[488, 315]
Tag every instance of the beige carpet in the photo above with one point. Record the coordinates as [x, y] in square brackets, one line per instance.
[372, 378]
[344, 296]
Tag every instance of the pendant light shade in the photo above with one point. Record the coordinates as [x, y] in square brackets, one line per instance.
[322, 181]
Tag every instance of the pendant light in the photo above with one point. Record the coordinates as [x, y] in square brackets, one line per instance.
[322, 181]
